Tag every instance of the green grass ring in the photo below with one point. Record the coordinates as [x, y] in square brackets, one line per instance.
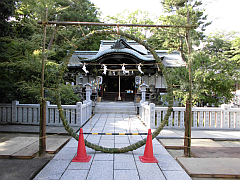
[162, 67]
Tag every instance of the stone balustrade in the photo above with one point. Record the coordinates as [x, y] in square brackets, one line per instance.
[16, 113]
[223, 117]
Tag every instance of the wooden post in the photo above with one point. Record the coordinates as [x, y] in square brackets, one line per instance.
[119, 86]
[190, 88]
[189, 102]
[186, 136]
[42, 127]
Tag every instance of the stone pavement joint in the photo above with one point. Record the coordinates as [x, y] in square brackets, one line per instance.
[104, 166]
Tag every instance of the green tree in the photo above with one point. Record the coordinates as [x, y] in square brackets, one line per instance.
[21, 51]
[14, 67]
[136, 17]
[234, 52]
[214, 72]
[176, 13]
[6, 10]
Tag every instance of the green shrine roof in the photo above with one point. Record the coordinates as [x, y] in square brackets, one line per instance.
[125, 48]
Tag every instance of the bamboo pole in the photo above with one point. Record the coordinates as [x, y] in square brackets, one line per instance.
[186, 135]
[113, 24]
[42, 127]
[187, 143]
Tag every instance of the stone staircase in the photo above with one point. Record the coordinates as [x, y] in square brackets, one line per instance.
[115, 107]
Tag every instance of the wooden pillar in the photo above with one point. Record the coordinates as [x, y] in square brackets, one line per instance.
[119, 86]
[42, 133]
[187, 139]
[187, 136]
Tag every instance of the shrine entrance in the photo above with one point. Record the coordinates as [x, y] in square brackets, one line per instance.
[111, 89]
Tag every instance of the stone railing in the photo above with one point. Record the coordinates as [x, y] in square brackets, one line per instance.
[223, 117]
[16, 113]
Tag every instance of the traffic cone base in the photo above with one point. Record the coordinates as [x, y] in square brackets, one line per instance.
[148, 152]
[148, 160]
[85, 159]
[81, 152]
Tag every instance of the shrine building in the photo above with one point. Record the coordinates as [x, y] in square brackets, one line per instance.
[118, 69]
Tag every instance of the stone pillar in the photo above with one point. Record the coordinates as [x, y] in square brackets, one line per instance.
[88, 91]
[152, 116]
[79, 114]
[14, 111]
[143, 90]
[47, 112]
[225, 119]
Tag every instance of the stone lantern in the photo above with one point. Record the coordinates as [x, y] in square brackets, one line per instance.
[88, 91]
[143, 87]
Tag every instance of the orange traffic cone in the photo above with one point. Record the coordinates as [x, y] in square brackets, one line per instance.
[81, 152]
[148, 152]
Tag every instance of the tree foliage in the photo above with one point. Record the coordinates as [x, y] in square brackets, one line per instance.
[177, 13]
[214, 73]
[21, 51]
[136, 17]
[213, 69]
[6, 10]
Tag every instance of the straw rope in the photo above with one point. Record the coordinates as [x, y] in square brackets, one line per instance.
[162, 67]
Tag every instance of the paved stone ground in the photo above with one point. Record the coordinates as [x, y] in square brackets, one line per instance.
[216, 135]
[33, 129]
[103, 166]
[212, 134]
[176, 153]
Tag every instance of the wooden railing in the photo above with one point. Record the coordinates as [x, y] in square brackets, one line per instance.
[16, 113]
[223, 117]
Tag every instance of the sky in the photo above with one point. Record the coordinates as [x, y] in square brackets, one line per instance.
[223, 13]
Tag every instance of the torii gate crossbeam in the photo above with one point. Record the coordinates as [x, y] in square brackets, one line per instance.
[114, 24]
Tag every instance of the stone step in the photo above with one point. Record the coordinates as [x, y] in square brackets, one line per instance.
[115, 112]
[116, 103]
[115, 107]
